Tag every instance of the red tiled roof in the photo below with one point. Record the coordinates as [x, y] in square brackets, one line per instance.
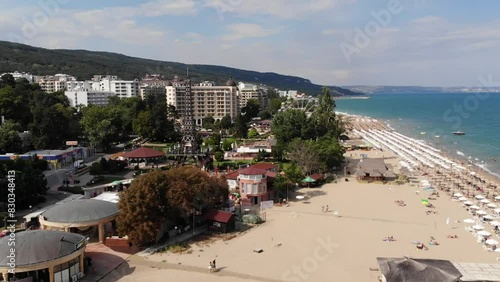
[233, 175]
[265, 166]
[252, 171]
[219, 216]
[317, 176]
[271, 174]
[143, 152]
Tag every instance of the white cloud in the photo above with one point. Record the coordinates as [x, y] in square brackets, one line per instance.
[248, 30]
[427, 20]
[287, 9]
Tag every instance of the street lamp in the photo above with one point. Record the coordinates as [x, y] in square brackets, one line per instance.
[30, 208]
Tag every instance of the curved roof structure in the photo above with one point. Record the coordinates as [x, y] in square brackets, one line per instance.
[231, 83]
[80, 211]
[39, 246]
[143, 152]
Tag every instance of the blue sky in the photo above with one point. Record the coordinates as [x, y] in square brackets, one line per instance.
[413, 42]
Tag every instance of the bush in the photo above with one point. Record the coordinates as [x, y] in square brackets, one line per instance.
[96, 169]
[136, 167]
[219, 156]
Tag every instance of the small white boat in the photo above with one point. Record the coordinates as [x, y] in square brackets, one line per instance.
[459, 133]
[436, 136]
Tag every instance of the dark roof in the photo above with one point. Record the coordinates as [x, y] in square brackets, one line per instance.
[169, 83]
[233, 175]
[38, 246]
[416, 270]
[373, 167]
[252, 171]
[317, 176]
[143, 152]
[219, 216]
[80, 211]
[265, 166]
[231, 82]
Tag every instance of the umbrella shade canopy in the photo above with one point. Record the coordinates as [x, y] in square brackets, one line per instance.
[413, 270]
[458, 195]
[497, 210]
[469, 220]
[491, 205]
[497, 198]
[479, 197]
[485, 201]
[481, 212]
[484, 233]
[463, 199]
[474, 207]
[489, 217]
[308, 180]
[468, 203]
[143, 152]
[495, 223]
[491, 242]
[478, 227]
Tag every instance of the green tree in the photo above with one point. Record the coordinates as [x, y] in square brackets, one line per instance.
[250, 110]
[330, 152]
[208, 122]
[102, 125]
[226, 122]
[7, 80]
[10, 142]
[288, 125]
[219, 156]
[253, 133]
[275, 105]
[281, 185]
[240, 127]
[227, 144]
[265, 114]
[294, 174]
[323, 120]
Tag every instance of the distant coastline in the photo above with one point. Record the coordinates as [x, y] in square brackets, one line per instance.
[352, 97]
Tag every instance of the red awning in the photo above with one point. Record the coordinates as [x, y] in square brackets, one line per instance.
[218, 216]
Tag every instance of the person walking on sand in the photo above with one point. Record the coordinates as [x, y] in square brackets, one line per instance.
[215, 267]
[210, 267]
[326, 210]
[323, 209]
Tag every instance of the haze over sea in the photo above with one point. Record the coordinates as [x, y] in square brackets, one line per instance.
[440, 114]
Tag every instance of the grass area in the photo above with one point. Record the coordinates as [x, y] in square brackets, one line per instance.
[177, 248]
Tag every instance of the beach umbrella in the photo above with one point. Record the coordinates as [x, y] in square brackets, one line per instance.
[458, 195]
[497, 198]
[483, 233]
[477, 227]
[469, 220]
[495, 223]
[299, 197]
[481, 212]
[474, 207]
[491, 242]
[468, 203]
[488, 217]
[308, 180]
[479, 197]
[491, 205]
[463, 199]
[485, 201]
[497, 210]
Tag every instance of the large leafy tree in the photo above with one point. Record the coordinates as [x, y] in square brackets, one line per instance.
[30, 181]
[144, 207]
[275, 105]
[240, 127]
[250, 110]
[324, 120]
[102, 125]
[54, 121]
[10, 142]
[288, 125]
[166, 197]
[304, 155]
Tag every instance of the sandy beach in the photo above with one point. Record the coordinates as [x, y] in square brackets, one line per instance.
[302, 243]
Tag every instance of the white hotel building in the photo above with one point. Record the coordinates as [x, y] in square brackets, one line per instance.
[98, 90]
[209, 99]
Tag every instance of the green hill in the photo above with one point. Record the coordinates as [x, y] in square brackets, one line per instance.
[84, 64]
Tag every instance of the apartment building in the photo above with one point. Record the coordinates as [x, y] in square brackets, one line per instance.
[54, 83]
[88, 97]
[17, 75]
[155, 89]
[209, 99]
[249, 91]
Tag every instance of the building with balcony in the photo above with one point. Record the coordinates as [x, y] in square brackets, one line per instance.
[87, 98]
[54, 83]
[209, 99]
[18, 75]
[251, 91]
[253, 182]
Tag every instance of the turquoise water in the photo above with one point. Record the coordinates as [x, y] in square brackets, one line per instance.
[440, 114]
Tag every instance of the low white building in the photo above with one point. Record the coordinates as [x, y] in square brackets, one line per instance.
[17, 75]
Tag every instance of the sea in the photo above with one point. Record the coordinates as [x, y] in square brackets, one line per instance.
[433, 117]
